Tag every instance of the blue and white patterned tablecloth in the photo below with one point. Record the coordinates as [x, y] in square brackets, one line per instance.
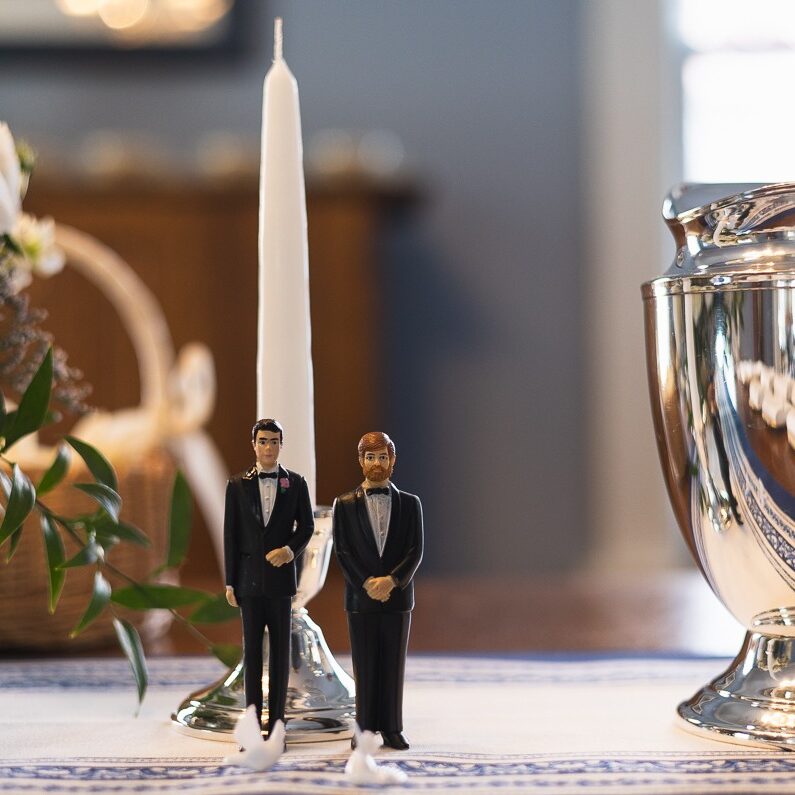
[476, 724]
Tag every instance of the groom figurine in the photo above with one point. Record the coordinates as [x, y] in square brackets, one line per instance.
[378, 541]
[267, 524]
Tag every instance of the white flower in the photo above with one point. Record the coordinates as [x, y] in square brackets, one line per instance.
[10, 181]
[36, 239]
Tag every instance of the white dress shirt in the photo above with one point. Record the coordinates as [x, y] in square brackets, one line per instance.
[267, 492]
[379, 509]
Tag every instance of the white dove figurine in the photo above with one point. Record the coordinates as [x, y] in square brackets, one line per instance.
[256, 753]
[362, 768]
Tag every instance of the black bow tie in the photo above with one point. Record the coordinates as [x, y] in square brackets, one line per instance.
[370, 492]
[263, 475]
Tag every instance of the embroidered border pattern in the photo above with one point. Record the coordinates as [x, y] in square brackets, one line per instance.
[448, 772]
[186, 673]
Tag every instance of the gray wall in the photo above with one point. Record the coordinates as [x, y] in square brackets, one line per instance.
[486, 390]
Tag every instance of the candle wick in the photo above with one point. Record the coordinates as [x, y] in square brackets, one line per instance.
[277, 39]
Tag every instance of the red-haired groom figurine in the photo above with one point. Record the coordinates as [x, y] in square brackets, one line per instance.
[378, 541]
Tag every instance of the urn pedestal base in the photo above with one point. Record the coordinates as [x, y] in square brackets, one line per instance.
[753, 701]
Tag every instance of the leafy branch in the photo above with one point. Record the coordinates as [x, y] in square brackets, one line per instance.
[95, 533]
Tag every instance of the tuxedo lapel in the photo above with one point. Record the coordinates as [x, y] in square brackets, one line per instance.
[393, 533]
[280, 499]
[364, 520]
[250, 484]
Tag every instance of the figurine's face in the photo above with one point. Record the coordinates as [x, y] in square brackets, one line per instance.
[267, 447]
[377, 466]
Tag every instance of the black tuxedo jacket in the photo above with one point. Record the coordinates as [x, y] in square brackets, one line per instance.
[247, 540]
[358, 554]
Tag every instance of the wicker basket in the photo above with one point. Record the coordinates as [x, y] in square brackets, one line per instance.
[25, 622]
[177, 398]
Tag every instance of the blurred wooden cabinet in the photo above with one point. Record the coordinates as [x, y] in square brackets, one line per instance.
[195, 246]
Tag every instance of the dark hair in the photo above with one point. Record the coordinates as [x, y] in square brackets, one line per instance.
[373, 441]
[267, 425]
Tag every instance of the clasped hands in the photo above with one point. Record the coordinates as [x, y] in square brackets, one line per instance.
[379, 588]
[276, 557]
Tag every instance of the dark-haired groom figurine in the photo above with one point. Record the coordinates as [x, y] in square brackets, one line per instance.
[268, 522]
[378, 541]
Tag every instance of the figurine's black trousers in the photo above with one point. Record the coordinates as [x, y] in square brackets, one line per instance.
[259, 612]
[378, 648]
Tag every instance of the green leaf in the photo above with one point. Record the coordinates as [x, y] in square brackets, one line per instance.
[97, 464]
[55, 553]
[228, 653]
[58, 469]
[110, 532]
[128, 532]
[32, 410]
[20, 503]
[146, 597]
[179, 522]
[214, 611]
[99, 601]
[130, 643]
[90, 553]
[16, 537]
[105, 537]
[107, 499]
[11, 243]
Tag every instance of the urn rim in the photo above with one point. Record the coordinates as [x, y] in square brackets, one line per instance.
[728, 230]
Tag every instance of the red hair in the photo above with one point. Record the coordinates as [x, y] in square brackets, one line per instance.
[375, 440]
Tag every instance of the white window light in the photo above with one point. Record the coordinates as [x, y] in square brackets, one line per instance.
[737, 75]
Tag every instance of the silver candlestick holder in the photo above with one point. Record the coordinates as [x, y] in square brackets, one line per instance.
[320, 695]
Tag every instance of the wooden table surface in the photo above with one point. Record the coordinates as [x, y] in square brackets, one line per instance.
[667, 612]
[671, 612]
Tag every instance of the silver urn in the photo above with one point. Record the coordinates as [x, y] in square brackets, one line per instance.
[720, 347]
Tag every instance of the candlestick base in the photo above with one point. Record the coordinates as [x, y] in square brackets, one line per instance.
[320, 696]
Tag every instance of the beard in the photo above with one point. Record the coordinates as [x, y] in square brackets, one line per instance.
[375, 473]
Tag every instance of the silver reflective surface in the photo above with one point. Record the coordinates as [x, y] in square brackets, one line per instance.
[320, 696]
[720, 344]
[753, 701]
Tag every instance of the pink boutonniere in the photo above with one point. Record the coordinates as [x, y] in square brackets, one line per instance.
[284, 483]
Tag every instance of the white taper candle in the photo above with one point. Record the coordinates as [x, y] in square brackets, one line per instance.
[284, 355]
